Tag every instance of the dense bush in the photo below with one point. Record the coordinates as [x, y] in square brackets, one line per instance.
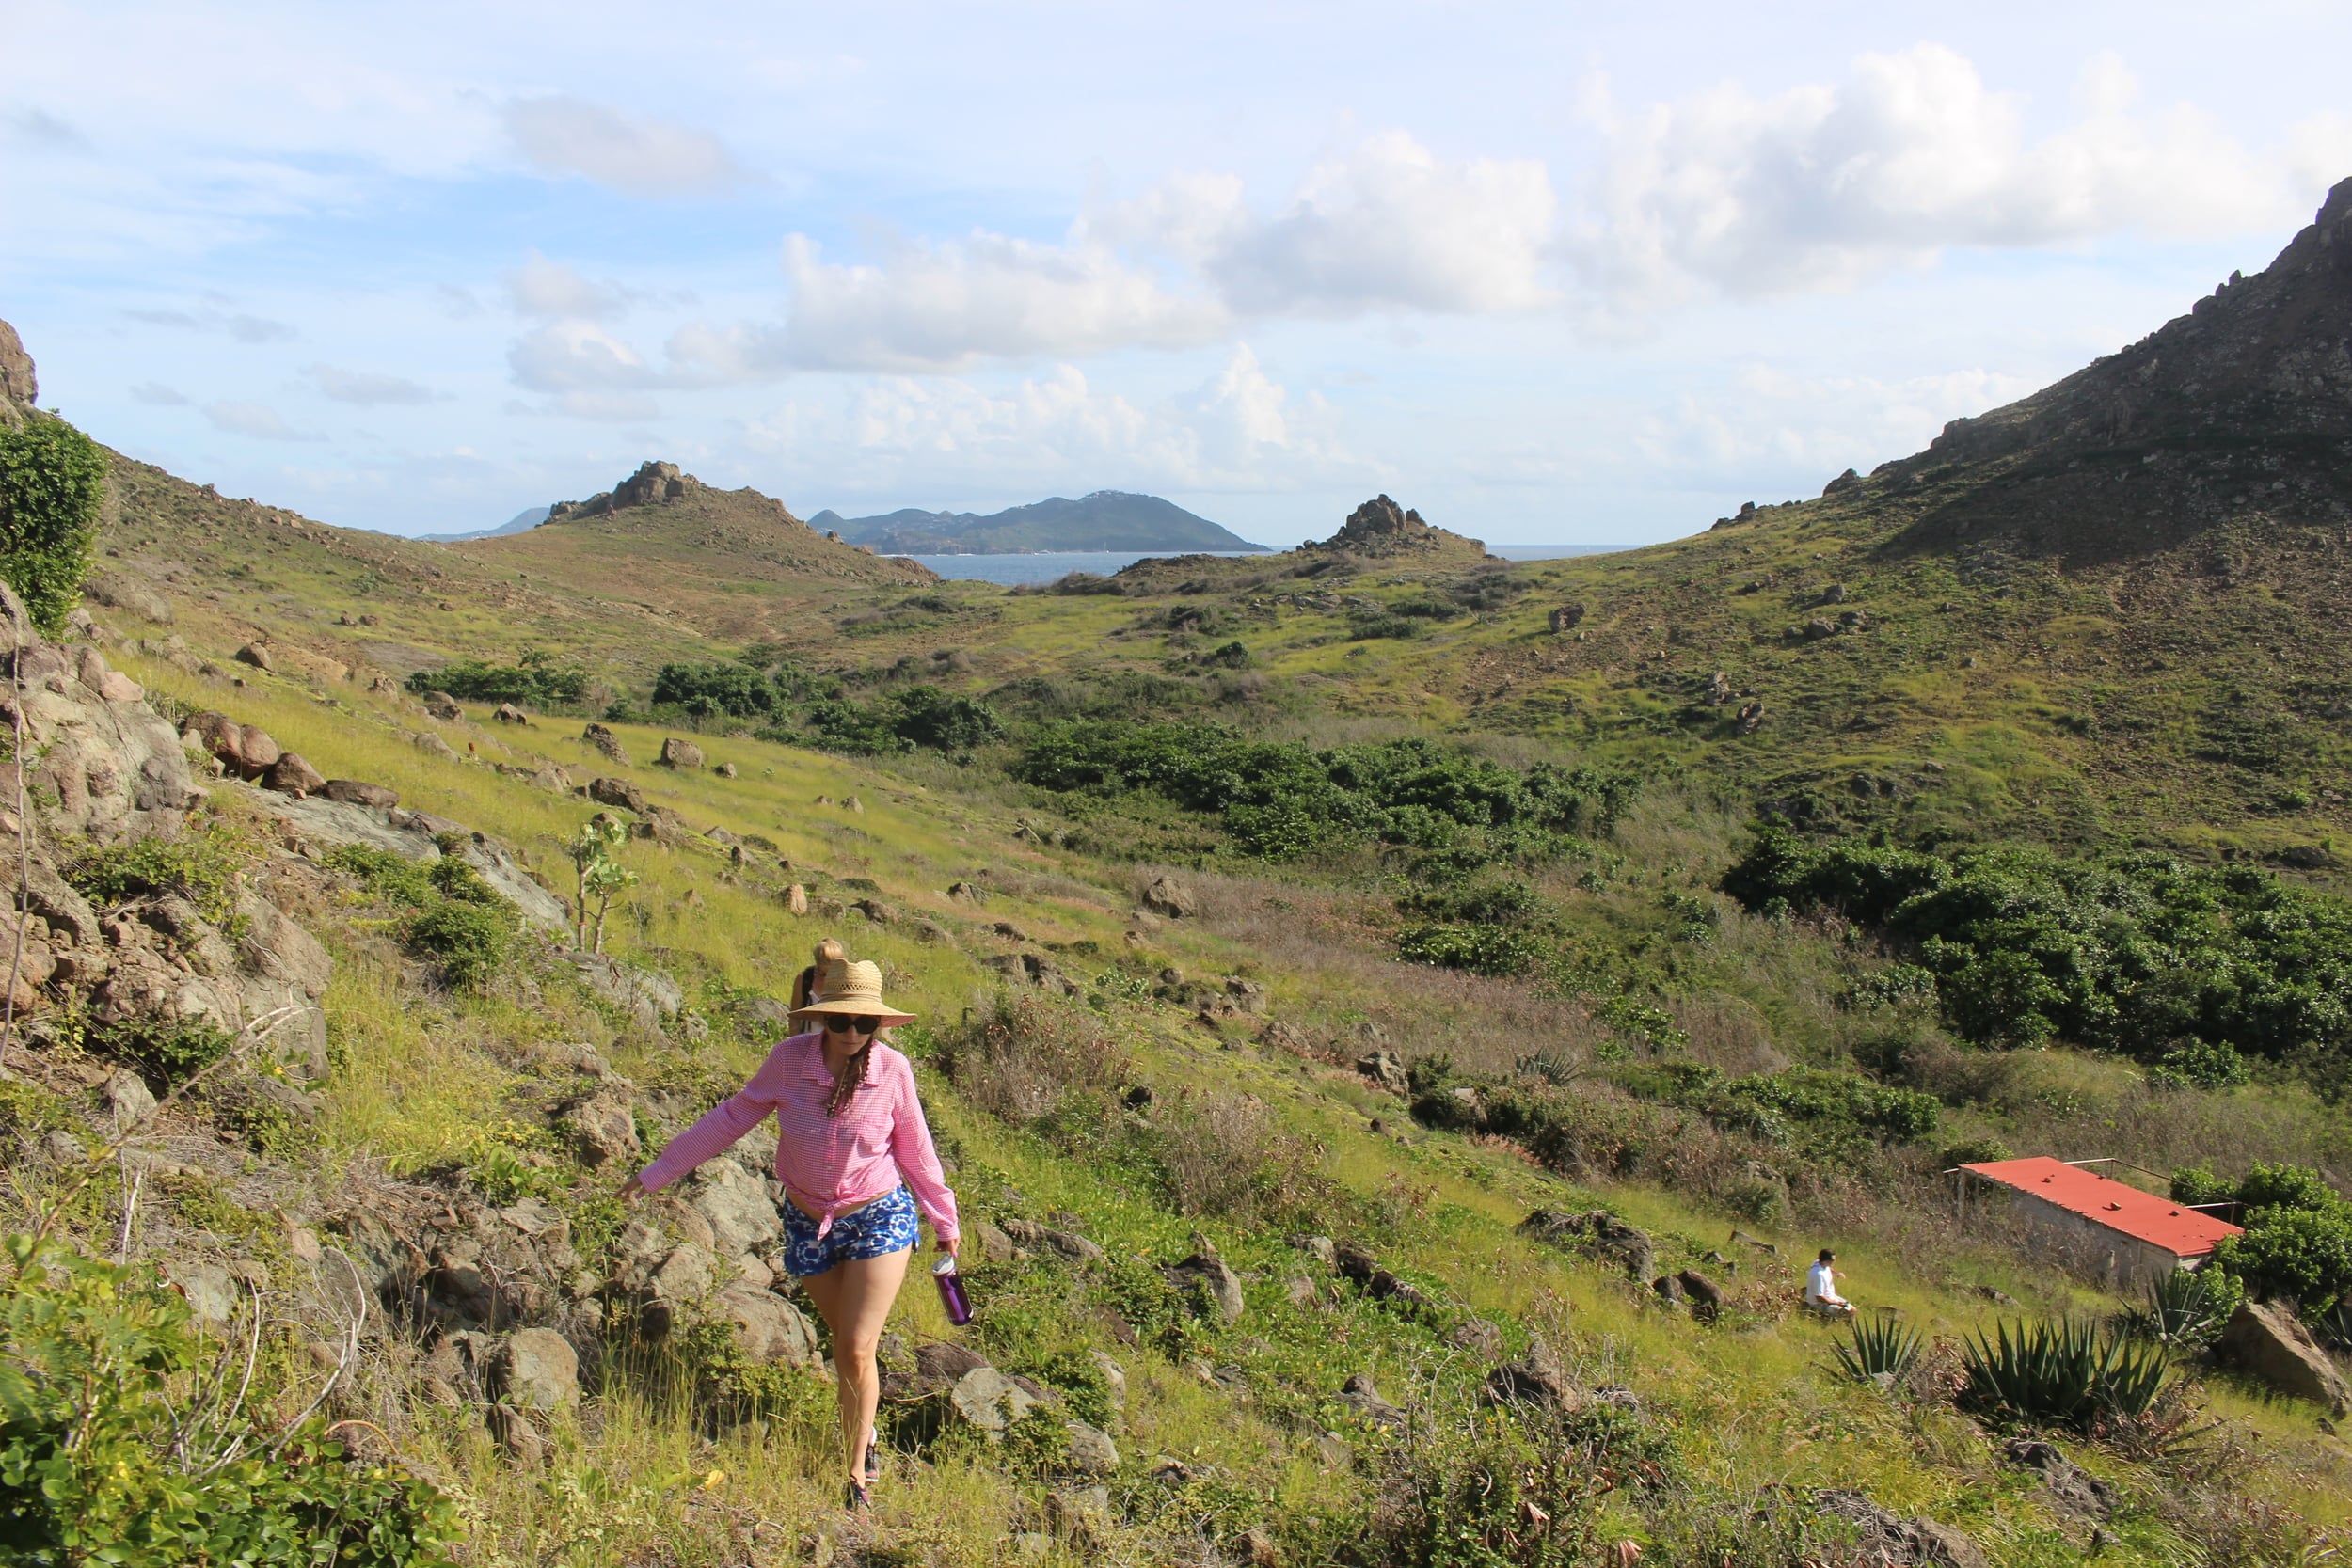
[707, 690]
[1281, 800]
[2299, 1231]
[163, 1051]
[918, 718]
[536, 681]
[2141, 953]
[454, 916]
[53, 479]
[1799, 1105]
[116, 1448]
[1479, 949]
[201, 868]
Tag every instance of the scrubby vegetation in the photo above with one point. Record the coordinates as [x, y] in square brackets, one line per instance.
[52, 480]
[534, 680]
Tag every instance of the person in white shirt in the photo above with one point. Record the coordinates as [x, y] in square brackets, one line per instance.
[1821, 1289]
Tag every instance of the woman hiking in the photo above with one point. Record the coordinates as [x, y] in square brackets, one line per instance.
[851, 1141]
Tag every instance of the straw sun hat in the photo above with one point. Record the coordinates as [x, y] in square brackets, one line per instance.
[853, 989]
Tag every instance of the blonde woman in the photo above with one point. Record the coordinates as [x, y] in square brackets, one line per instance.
[851, 1141]
[829, 951]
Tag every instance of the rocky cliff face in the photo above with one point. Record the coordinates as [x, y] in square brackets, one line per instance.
[2241, 409]
[17, 386]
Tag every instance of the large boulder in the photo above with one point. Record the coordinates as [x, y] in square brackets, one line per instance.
[292, 775]
[1170, 898]
[257, 655]
[2265, 1340]
[1386, 1068]
[679, 753]
[617, 792]
[607, 743]
[766, 1327]
[1067, 1244]
[744, 1218]
[988, 1401]
[1539, 1378]
[534, 1368]
[604, 1130]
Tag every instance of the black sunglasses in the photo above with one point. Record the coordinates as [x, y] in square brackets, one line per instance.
[839, 1025]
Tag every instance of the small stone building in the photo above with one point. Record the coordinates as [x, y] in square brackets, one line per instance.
[2094, 1223]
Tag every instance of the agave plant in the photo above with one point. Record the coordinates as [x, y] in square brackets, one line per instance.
[2064, 1373]
[2185, 1310]
[1880, 1348]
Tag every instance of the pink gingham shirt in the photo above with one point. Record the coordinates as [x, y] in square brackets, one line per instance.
[831, 1165]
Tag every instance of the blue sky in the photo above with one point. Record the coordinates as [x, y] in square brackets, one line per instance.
[1551, 273]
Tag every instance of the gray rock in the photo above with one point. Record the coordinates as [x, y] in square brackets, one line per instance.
[679, 753]
[1114, 1380]
[1899, 1543]
[604, 1130]
[507, 713]
[617, 792]
[651, 998]
[211, 1293]
[441, 705]
[515, 1435]
[1385, 1068]
[351, 792]
[767, 1328]
[989, 1400]
[255, 654]
[533, 1368]
[1538, 1378]
[1170, 898]
[744, 1218]
[2066, 1485]
[1206, 1273]
[2265, 1340]
[18, 384]
[121, 591]
[1091, 1450]
[1067, 1244]
[1359, 1395]
[127, 1096]
[1317, 1247]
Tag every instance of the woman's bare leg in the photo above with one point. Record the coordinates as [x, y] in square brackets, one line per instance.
[855, 1299]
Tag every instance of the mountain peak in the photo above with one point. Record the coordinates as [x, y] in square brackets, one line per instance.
[2240, 410]
[1381, 527]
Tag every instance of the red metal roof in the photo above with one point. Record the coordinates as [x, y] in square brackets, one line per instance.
[2117, 1205]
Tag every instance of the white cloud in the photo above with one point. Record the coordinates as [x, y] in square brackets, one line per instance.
[368, 389]
[1820, 186]
[636, 157]
[1390, 226]
[1238, 429]
[543, 288]
[256, 420]
[943, 307]
[155, 394]
[577, 355]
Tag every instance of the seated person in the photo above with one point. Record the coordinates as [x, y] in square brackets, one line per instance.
[1821, 1289]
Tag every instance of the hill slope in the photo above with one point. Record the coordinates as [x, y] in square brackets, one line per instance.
[1105, 520]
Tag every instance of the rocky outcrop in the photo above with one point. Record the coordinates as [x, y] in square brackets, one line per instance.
[1382, 527]
[652, 485]
[1207, 1278]
[17, 383]
[617, 792]
[329, 823]
[1888, 1539]
[1597, 1233]
[2267, 1340]
[1170, 898]
[123, 591]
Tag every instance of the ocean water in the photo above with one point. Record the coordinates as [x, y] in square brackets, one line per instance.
[1046, 565]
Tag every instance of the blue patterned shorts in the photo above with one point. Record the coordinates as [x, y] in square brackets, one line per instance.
[885, 1225]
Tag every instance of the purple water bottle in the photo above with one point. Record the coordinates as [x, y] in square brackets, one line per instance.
[952, 1294]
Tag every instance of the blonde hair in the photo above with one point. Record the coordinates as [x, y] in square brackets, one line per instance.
[829, 951]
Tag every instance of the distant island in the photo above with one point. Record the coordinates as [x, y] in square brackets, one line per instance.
[521, 522]
[1105, 520]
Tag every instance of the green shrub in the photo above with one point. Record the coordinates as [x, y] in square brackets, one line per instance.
[2189, 968]
[53, 479]
[1479, 949]
[708, 690]
[536, 681]
[470, 939]
[2063, 1373]
[201, 868]
[1975, 1151]
[113, 1451]
[2303, 1253]
[167, 1052]
[2197, 1185]
[918, 718]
